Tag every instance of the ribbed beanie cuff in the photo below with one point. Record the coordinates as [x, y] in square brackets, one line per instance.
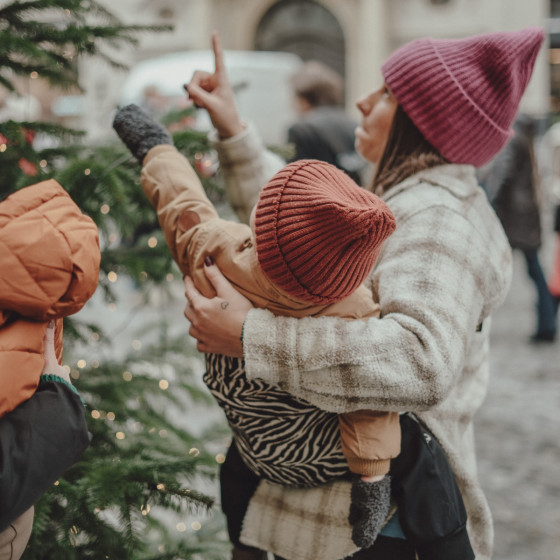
[464, 94]
[318, 234]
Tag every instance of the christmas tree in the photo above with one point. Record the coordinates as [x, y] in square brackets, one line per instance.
[144, 489]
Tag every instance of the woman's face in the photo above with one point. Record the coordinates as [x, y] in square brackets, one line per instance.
[378, 109]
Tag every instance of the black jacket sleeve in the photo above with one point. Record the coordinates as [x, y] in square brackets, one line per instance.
[39, 440]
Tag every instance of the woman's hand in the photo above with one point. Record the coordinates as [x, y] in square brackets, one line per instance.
[214, 93]
[52, 367]
[216, 323]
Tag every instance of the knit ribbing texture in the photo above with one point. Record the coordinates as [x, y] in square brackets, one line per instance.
[318, 233]
[464, 94]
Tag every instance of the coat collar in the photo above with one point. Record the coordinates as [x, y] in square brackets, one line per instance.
[460, 180]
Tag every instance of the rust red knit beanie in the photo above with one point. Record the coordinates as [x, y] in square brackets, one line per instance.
[319, 234]
[463, 94]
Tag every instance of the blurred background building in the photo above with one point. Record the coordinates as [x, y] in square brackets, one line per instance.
[351, 36]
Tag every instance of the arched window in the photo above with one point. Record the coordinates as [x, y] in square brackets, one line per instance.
[305, 28]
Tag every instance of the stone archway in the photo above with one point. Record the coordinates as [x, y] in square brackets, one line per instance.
[305, 28]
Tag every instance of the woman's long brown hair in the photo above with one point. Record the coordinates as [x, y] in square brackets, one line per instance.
[406, 153]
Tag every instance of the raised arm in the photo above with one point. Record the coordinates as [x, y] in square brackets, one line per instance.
[245, 162]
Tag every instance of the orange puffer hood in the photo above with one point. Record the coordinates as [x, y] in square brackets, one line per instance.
[49, 262]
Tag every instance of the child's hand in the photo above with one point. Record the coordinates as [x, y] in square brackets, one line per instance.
[52, 367]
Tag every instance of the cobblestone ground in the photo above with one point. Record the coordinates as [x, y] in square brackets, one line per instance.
[518, 432]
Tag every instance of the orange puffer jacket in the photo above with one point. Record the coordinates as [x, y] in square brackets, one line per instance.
[49, 263]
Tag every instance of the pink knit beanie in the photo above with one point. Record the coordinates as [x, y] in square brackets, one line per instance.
[463, 94]
[319, 234]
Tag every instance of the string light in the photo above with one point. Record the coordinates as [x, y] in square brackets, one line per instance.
[105, 209]
[152, 242]
[181, 527]
[120, 435]
[127, 376]
[220, 458]
[194, 451]
[81, 364]
[196, 526]
[87, 171]
[34, 75]
[112, 276]
[163, 384]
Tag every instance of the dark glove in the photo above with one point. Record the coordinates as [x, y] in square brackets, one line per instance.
[139, 132]
[369, 507]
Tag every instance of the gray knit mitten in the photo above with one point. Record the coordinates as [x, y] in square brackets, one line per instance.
[369, 507]
[139, 132]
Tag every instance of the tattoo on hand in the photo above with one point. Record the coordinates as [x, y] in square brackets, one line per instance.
[224, 304]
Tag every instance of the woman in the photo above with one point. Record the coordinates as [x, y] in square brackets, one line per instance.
[445, 108]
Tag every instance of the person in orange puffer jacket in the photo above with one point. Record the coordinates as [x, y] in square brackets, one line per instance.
[49, 262]
[49, 258]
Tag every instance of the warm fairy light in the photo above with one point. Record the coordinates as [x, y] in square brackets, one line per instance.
[143, 275]
[112, 276]
[74, 374]
[3, 147]
[67, 368]
[169, 277]
[145, 509]
[43, 163]
[161, 486]
[34, 75]
[152, 242]
[95, 336]
[127, 376]
[195, 526]
[181, 527]
[105, 209]
[194, 451]
[95, 414]
[119, 435]
[163, 384]
[81, 364]
[87, 171]
[57, 483]
[110, 416]
[163, 433]
[220, 458]
[95, 364]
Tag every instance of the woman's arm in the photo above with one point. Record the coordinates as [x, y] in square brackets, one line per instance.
[431, 292]
[245, 163]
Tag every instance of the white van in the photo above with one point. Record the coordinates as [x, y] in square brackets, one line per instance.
[260, 81]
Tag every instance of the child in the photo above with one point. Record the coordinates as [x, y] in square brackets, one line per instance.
[314, 238]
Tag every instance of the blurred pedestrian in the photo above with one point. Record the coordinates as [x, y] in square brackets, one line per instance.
[554, 278]
[323, 131]
[511, 181]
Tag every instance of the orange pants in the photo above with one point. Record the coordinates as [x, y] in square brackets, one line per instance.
[370, 439]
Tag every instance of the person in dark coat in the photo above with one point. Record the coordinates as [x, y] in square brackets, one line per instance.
[512, 187]
[324, 131]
